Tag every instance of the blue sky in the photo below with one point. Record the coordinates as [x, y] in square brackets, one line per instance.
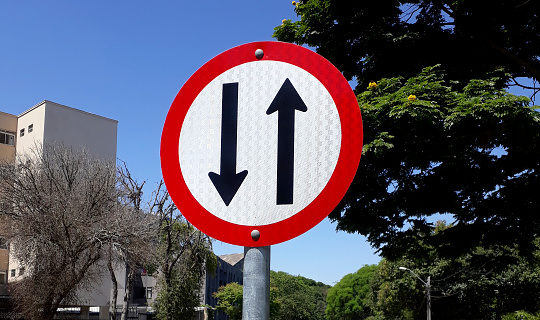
[126, 60]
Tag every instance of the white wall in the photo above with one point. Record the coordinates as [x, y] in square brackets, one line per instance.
[54, 122]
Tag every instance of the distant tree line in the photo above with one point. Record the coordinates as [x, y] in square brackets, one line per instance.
[291, 298]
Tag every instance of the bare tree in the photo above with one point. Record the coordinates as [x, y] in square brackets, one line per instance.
[68, 213]
[130, 238]
[56, 202]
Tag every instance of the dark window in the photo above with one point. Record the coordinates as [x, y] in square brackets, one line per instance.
[7, 138]
[12, 272]
[2, 278]
[30, 128]
[22, 132]
[138, 293]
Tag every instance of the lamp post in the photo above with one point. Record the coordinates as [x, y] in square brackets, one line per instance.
[428, 290]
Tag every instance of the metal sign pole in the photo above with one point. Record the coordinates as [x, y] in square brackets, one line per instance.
[256, 296]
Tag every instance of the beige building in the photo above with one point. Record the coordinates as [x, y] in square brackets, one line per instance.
[8, 129]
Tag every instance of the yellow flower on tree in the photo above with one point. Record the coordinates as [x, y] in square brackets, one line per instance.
[283, 21]
[294, 3]
[412, 97]
[372, 85]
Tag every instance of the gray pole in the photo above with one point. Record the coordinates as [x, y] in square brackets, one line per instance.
[256, 297]
[428, 294]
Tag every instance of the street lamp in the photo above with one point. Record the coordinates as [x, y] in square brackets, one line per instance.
[428, 290]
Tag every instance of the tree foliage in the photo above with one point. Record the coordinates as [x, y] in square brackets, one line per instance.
[430, 149]
[230, 300]
[383, 39]
[183, 258]
[448, 140]
[298, 298]
[291, 298]
[348, 299]
[486, 283]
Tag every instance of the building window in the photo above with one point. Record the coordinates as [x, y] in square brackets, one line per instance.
[21, 271]
[7, 138]
[12, 273]
[22, 132]
[149, 293]
[30, 128]
[2, 278]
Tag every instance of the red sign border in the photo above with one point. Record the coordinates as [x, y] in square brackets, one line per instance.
[323, 204]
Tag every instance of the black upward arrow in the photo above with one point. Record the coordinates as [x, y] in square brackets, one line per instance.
[287, 100]
[227, 182]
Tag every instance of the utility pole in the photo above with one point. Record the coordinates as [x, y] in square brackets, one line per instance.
[428, 290]
[428, 297]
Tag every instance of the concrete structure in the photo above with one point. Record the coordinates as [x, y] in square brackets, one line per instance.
[230, 269]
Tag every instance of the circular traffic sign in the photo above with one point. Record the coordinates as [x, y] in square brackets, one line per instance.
[261, 143]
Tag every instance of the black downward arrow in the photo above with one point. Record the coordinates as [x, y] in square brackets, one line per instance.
[227, 182]
[287, 100]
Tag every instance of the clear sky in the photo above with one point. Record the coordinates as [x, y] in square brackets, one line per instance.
[126, 60]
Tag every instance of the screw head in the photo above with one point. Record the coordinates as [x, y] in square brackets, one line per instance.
[259, 53]
[255, 235]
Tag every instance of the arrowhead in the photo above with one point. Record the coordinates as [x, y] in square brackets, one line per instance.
[287, 98]
[227, 184]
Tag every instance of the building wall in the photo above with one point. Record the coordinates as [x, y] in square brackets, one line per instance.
[225, 273]
[53, 122]
[8, 124]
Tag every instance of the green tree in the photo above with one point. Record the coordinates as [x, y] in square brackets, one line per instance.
[521, 315]
[461, 145]
[429, 149]
[184, 255]
[485, 283]
[348, 299]
[298, 298]
[291, 298]
[230, 300]
[387, 38]
[394, 294]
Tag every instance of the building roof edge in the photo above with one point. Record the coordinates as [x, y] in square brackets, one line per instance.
[64, 106]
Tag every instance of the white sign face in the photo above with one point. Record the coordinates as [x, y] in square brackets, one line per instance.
[316, 141]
